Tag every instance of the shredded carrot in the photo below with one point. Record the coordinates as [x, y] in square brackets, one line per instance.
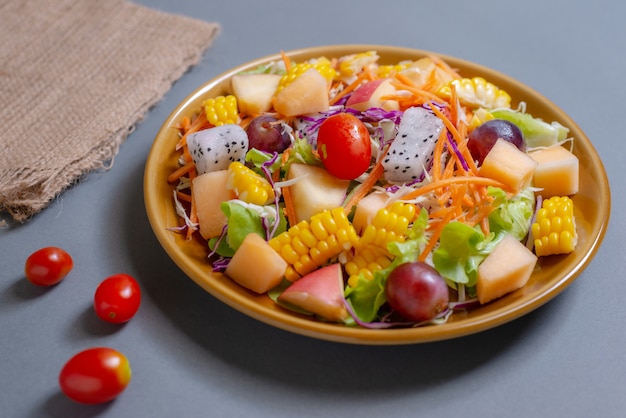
[404, 79]
[457, 137]
[286, 60]
[290, 210]
[181, 171]
[364, 188]
[431, 82]
[434, 237]
[444, 66]
[437, 155]
[364, 75]
[485, 181]
[198, 123]
[184, 197]
[419, 96]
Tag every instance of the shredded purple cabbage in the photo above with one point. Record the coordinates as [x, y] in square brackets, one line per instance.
[219, 241]
[220, 264]
[268, 175]
[530, 240]
[386, 324]
[455, 149]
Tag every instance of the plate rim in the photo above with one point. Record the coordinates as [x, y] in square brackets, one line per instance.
[356, 335]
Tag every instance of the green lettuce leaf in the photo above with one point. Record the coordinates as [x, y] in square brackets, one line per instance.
[512, 215]
[242, 220]
[302, 152]
[459, 253]
[537, 133]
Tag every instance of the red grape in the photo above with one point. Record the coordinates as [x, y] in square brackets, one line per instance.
[416, 291]
[266, 134]
[482, 139]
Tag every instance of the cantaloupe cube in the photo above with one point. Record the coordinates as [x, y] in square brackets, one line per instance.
[556, 172]
[366, 209]
[507, 164]
[254, 91]
[256, 265]
[209, 191]
[315, 191]
[506, 269]
[308, 93]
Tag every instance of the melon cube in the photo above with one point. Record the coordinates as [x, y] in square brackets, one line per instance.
[507, 164]
[254, 91]
[255, 265]
[315, 191]
[209, 191]
[557, 171]
[308, 93]
[367, 208]
[506, 269]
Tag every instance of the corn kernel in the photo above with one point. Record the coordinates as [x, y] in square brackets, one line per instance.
[554, 229]
[323, 66]
[477, 92]
[248, 185]
[221, 110]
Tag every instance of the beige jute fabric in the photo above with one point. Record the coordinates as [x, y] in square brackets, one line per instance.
[75, 78]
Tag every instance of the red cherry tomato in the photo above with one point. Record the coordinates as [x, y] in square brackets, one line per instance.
[95, 375]
[48, 266]
[117, 298]
[343, 144]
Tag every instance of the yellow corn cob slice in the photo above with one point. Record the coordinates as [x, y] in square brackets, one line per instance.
[221, 110]
[248, 185]
[477, 92]
[310, 244]
[322, 65]
[554, 230]
[370, 255]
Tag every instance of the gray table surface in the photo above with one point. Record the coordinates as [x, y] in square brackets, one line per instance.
[194, 356]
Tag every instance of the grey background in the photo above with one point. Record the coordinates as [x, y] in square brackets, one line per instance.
[193, 356]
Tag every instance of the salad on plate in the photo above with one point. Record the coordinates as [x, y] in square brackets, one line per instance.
[373, 195]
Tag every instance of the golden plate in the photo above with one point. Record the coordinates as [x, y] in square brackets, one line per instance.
[555, 273]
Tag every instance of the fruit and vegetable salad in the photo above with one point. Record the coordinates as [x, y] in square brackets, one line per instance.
[374, 194]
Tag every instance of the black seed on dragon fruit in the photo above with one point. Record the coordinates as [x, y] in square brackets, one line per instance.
[215, 148]
[419, 131]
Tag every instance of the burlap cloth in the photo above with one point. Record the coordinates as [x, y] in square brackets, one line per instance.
[75, 78]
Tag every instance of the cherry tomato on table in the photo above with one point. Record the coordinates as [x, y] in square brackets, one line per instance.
[48, 266]
[343, 144]
[117, 298]
[95, 375]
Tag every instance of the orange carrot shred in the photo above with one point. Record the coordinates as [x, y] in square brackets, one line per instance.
[364, 188]
[290, 210]
[486, 181]
[181, 171]
[349, 88]
[286, 60]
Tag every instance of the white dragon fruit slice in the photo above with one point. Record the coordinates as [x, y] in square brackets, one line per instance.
[215, 148]
[411, 151]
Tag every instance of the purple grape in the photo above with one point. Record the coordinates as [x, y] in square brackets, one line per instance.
[265, 134]
[416, 291]
[482, 139]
